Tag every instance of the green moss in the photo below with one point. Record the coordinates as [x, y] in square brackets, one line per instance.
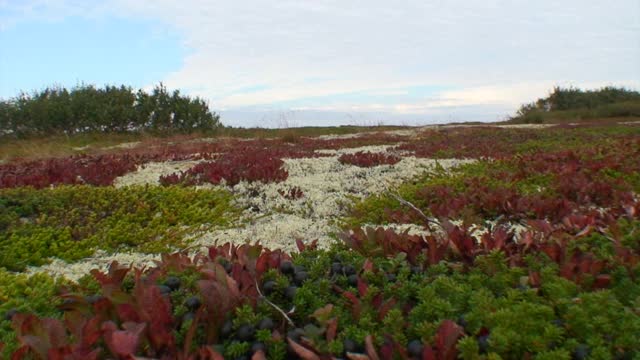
[71, 222]
[26, 294]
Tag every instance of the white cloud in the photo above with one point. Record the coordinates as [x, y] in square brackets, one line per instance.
[495, 54]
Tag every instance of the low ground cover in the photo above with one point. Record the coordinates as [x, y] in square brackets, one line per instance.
[72, 222]
[528, 249]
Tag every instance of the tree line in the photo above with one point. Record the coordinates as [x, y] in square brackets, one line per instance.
[573, 102]
[86, 108]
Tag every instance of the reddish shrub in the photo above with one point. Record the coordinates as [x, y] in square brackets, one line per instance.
[83, 169]
[233, 168]
[368, 159]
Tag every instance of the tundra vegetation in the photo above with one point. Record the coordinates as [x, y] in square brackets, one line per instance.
[530, 251]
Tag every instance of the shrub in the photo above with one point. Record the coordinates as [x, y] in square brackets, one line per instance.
[71, 222]
[232, 168]
[81, 169]
[86, 108]
[368, 159]
[576, 104]
[233, 302]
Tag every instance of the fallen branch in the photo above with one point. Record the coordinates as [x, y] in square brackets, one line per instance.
[284, 314]
[427, 219]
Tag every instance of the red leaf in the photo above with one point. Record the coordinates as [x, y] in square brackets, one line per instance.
[355, 303]
[370, 348]
[301, 351]
[259, 355]
[21, 353]
[384, 309]
[127, 312]
[123, 343]
[332, 329]
[368, 265]
[534, 279]
[208, 353]
[386, 350]
[602, 281]
[322, 314]
[362, 287]
[428, 353]
[300, 245]
[446, 339]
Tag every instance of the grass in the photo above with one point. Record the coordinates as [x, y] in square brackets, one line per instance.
[93, 143]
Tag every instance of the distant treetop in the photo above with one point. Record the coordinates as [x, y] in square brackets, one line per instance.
[576, 104]
[85, 108]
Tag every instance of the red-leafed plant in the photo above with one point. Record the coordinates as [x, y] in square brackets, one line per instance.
[232, 168]
[292, 193]
[368, 159]
[93, 170]
[140, 322]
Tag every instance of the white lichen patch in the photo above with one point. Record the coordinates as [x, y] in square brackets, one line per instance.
[270, 218]
[126, 145]
[524, 126]
[328, 187]
[100, 261]
[371, 149]
[150, 173]
[409, 229]
[274, 231]
[327, 184]
[340, 136]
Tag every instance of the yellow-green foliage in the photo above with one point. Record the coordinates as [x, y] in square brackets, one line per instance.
[70, 222]
[29, 294]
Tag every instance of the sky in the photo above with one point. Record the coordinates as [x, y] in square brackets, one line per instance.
[298, 63]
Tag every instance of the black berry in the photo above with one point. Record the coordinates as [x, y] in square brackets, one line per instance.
[188, 317]
[192, 303]
[286, 267]
[483, 344]
[300, 277]
[290, 292]
[415, 348]
[173, 283]
[349, 346]
[348, 270]
[462, 322]
[336, 268]
[227, 329]
[353, 280]
[266, 324]
[257, 346]
[581, 352]
[295, 334]
[246, 332]
[10, 314]
[227, 267]
[269, 287]
[416, 270]
[92, 299]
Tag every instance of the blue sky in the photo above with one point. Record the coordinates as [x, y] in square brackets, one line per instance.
[68, 52]
[293, 62]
